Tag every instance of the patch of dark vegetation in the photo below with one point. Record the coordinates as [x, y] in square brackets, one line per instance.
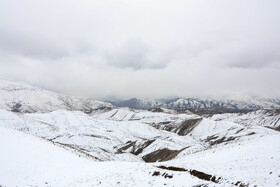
[140, 149]
[157, 110]
[204, 176]
[165, 175]
[167, 126]
[172, 168]
[51, 139]
[158, 155]
[156, 173]
[240, 184]
[251, 133]
[187, 126]
[210, 138]
[16, 107]
[274, 128]
[162, 155]
[221, 140]
[277, 128]
[173, 155]
[200, 185]
[95, 136]
[135, 149]
[165, 122]
[239, 131]
[125, 147]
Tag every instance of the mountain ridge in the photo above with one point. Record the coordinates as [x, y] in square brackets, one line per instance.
[249, 104]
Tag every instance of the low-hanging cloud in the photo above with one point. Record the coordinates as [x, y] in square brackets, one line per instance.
[137, 55]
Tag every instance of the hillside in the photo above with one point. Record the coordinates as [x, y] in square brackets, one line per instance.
[20, 97]
[129, 147]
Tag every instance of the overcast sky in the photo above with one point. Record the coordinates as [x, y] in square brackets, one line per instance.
[143, 48]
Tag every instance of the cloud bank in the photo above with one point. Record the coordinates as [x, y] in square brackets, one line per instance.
[143, 48]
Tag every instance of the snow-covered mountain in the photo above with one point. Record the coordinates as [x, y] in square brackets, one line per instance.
[20, 97]
[236, 104]
[145, 148]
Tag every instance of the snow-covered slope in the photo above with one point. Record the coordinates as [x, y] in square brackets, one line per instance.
[254, 162]
[186, 149]
[270, 119]
[20, 97]
[123, 134]
[98, 139]
[29, 161]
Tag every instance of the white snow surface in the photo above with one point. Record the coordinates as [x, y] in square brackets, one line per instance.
[270, 119]
[29, 161]
[254, 162]
[25, 98]
[48, 139]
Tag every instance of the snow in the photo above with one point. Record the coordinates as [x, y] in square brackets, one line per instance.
[263, 118]
[27, 160]
[98, 138]
[70, 141]
[26, 98]
[256, 161]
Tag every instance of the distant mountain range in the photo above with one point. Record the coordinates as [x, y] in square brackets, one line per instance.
[248, 103]
[21, 97]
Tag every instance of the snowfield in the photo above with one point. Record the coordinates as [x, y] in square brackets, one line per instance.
[29, 161]
[48, 139]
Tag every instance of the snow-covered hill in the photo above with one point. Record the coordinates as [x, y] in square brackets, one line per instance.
[29, 161]
[74, 138]
[270, 119]
[126, 135]
[20, 97]
[234, 104]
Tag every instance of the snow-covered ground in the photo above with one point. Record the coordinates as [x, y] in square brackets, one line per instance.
[47, 139]
[97, 138]
[29, 161]
[270, 119]
[234, 152]
[254, 162]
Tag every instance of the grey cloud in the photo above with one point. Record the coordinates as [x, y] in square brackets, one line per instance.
[255, 56]
[40, 46]
[137, 55]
